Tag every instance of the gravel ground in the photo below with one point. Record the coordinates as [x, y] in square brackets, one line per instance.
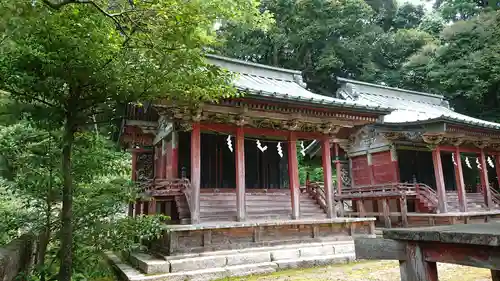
[368, 271]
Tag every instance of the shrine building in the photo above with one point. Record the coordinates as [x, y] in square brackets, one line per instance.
[440, 161]
[403, 157]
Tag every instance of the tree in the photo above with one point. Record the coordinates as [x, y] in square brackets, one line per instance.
[325, 39]
[76, 58]
[464, 65]
[408, 16]
[455, 10]
[32, 176]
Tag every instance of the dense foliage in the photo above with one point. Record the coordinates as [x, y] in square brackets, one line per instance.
[451, 49]
[68, 65]
[72, 63]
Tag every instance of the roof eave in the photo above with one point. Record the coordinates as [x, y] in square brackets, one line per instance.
[322, 103]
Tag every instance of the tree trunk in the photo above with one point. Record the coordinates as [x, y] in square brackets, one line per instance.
[65, 268]
[44, 242]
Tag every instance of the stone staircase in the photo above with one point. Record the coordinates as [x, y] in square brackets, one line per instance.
[260, 206]
[222, 264]
[475, 202]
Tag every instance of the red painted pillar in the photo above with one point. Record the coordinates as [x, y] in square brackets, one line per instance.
[371, 171]
[241, 213]
[293, 174]
[485, 184]
[175, 155]
[327, 176]
[459, 181]
[497, 168]
[338, 168]
[134, 178]
[195, 173]
[395, 164]
[440, 187]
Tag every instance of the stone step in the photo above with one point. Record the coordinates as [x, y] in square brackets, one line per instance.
[129, 273]
[246, 261]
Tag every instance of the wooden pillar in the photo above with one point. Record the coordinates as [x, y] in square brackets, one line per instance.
[134, 178]
[403, 206]
[416, 268]
[152, 207]
[293, 174]
[338, 169]
[327, 176]
[459, 181]
[241, 213]
[386, 212]
[370, 171]
[440, 187]
[175, 154]
[495, 275]
[360, 206]
[350, 173]
[485, 184]
[497, 168]
[195, 173]
[395, 164]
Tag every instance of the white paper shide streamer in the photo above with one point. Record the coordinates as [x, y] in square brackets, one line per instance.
[453, 159]
[478, 164]
[280, 149]
[260, 147]
[229, 143]
[490, 162]
[467, 162]
[302, 148]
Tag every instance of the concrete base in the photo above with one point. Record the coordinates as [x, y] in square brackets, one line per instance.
[220, 264]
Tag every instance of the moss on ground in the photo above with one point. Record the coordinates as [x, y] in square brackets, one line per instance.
[367, 271]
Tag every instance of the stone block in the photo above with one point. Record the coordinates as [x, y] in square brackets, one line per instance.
[251, 269]
[316, 251]
[288, 254]
[206, 274]
[149, 264]
[344, 249]
[314, 261]
[198, 263]
[248, 258]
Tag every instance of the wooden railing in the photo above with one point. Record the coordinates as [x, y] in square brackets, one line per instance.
[164, 187]
[317, 191]
[495, 195]
[388, 188]
[422, 191]
[427, 195]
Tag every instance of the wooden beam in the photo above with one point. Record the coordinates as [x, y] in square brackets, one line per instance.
[438, 173]
[416, 268]
[226, 128]
[495, 275]
[195, 173]
[459, 181]
[326, 160]
[497, 167]
[485, 183]
[338, 169]
[404, 210]
[360, 206]
[395, 163]
[386, 212]
[379, 249]
[450, 148]
[293, 174]
[468, 255]
[240, 174]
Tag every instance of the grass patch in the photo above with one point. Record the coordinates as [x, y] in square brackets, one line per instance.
[366, 271]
